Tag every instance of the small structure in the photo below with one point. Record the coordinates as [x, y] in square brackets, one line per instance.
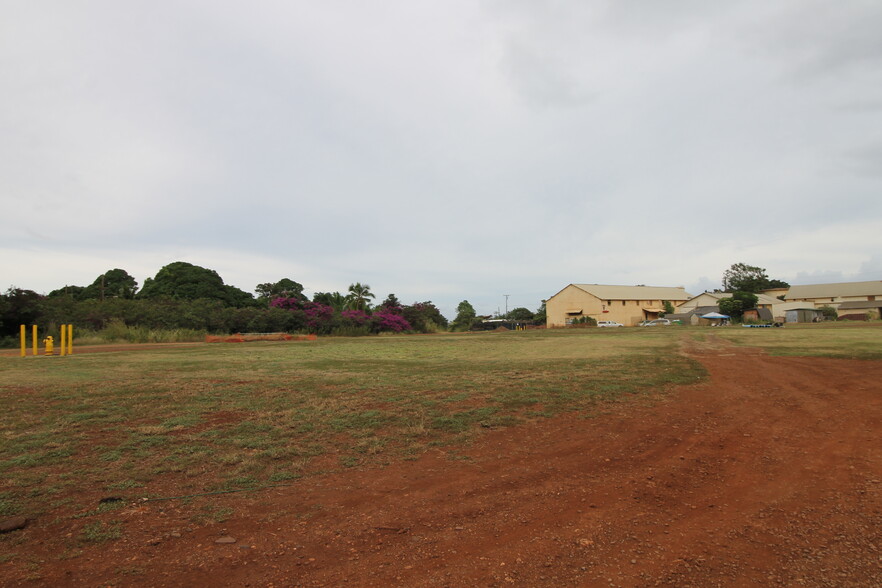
[499, 325]
[757, 315]
[716, 319]
[807, 314]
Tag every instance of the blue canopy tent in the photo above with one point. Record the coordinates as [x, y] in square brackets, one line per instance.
[714, 315]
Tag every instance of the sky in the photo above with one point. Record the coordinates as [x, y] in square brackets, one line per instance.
[484, 150]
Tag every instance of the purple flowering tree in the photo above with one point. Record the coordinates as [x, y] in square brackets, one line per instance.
[384, 320]
[355, 318]
[313, 316]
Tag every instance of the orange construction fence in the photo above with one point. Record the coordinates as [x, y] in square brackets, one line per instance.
[243, 337]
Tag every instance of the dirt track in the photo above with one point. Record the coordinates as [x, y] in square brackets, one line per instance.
[770, 473]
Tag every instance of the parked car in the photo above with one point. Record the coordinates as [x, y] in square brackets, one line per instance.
[609, 324]
[655, 323]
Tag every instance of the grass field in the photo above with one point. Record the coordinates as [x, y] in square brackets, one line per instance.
[183, 421]
[845, 340]
[230, 416]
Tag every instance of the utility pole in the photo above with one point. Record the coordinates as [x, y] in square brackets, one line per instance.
[506, 304]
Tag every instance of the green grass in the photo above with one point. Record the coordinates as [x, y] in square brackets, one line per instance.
[101, 532]
[837, 340]
[222, 417]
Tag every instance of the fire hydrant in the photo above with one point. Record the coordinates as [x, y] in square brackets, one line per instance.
[48, 342]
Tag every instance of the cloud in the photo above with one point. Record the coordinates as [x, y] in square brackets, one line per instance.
[441, 151]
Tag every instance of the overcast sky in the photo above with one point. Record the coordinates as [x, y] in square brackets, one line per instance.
[441, 150]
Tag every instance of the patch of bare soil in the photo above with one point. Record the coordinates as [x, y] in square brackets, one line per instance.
[769, 473]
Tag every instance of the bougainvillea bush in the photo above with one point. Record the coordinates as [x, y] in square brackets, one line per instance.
[354, 318]
[322, 319]
[317, 318]
[384, 320]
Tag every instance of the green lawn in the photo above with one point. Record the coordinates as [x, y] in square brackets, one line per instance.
[843, 340]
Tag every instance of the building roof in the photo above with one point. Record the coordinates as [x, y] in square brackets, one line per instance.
[605, 292]
[760, 298]
[835, 290]
[853, 304]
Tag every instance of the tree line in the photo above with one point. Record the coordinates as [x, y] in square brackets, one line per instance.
[187, 296]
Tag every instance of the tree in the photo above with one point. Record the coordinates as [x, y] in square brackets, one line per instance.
[745, 278]
[185, 281]
[540, 317]
[285, 287]
[333, 299]
[424, 317]
[357, 299]
[669, 308]
[71, 292]
[520, 314]
[749, 278]
[19, 307]
[737, 303]
[830, 313]
[465, 317]
[115, 283]
[391, 301]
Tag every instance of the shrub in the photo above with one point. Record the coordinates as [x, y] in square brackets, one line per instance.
[354, 318]
[829, 313]
[388, 321]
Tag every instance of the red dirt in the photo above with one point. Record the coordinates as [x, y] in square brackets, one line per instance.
[768, 473]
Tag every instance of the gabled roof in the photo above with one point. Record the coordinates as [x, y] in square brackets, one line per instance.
[605, 292]
[835, 290]
[860, 304]
[760, 298]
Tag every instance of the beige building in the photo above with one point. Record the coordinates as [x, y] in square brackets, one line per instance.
[866, 310]
[835, 294]
[713, 299]
[624, 304]
[776, 307]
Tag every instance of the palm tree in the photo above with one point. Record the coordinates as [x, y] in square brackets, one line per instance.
[357, 299]
[333, 299]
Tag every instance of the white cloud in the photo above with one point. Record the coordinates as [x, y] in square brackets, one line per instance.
[440, 151]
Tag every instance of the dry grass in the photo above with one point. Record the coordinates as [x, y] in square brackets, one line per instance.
[195, 419]
[845, 340]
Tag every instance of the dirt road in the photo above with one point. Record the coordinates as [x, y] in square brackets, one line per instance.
[769, 473]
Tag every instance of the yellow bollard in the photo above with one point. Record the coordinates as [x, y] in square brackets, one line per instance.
[24, 340]
[62, 340]
[49, 348]
[35, 344]
[70, 339]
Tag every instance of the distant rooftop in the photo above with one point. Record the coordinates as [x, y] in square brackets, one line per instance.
[635, 292]
[873, 288]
